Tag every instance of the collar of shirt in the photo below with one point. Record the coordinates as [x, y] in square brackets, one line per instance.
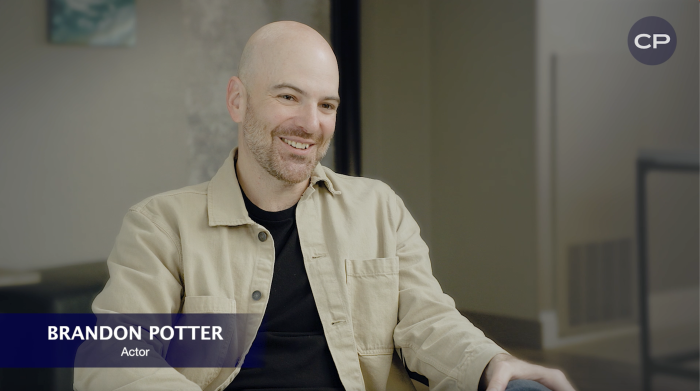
[225, 203]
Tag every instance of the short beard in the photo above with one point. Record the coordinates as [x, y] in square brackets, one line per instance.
[260, 141]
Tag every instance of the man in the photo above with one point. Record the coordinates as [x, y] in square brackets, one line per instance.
[336, 264]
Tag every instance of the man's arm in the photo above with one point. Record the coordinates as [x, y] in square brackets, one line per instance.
[144, 269]
[435, 339]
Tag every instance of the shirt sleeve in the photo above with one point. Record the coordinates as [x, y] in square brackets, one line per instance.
[435, 339]
[145, 269]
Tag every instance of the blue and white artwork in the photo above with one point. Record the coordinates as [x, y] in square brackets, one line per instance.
[93, 22]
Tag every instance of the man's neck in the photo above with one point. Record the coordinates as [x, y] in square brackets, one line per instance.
[262, 189]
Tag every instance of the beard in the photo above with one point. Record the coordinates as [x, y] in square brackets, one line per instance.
[286, 167]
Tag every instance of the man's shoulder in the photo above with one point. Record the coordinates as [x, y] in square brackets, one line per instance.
[357, 186]
[185, 196]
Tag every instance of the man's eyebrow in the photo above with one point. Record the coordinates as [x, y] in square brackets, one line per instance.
[302, 92]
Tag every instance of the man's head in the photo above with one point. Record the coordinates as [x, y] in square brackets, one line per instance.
[285, 98]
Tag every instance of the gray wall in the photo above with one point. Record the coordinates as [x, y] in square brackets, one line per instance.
[85, 133]
[608, 106]
[448, 122]
[460, 125]
[395, 98]
[483, 154]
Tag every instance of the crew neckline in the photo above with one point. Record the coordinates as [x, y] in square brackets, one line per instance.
[256, 212]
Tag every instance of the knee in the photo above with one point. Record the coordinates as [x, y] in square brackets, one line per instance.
[525, 385]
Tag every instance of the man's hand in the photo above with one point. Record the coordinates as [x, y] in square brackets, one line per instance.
[503, 368]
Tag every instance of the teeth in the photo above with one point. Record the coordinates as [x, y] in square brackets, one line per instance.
[296, 144]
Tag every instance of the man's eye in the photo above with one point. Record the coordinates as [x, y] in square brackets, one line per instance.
[327, 106]
[287, 97]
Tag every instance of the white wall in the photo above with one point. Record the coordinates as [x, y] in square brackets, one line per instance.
[85, 132]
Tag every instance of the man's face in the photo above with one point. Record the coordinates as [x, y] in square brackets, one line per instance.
[289, 123]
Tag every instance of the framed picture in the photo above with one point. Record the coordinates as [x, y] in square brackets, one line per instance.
[92, 22]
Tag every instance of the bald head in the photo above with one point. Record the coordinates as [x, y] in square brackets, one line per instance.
[285, 98]
[285, 46]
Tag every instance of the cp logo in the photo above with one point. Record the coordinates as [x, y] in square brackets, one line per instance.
[652, 40]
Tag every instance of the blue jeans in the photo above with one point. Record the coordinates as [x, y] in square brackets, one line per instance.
[525, 385]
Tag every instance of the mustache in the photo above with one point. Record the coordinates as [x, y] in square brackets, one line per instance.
[280, 131]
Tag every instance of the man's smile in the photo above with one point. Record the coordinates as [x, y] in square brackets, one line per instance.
[298, 145]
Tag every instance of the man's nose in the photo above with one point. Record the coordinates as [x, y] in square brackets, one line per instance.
[308, 118]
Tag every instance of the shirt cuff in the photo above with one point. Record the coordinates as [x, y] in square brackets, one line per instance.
[471, 374]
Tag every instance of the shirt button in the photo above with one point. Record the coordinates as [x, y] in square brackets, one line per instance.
[262, 236]
[257, 295]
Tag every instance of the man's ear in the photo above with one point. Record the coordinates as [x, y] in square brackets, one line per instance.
[236, 99]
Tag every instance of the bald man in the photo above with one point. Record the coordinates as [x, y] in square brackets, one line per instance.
[334, 265]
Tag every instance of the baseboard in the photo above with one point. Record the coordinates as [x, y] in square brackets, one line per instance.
[668, 311]
[552, 337]
[507, 331]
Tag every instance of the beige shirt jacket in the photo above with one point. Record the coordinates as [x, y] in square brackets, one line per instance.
[195, 250]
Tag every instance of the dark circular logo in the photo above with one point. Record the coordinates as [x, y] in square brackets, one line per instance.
[652, 40]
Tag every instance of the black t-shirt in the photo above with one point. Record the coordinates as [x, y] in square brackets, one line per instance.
[294, 350]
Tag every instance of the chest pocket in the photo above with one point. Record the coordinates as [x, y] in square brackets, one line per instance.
[373, 291]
